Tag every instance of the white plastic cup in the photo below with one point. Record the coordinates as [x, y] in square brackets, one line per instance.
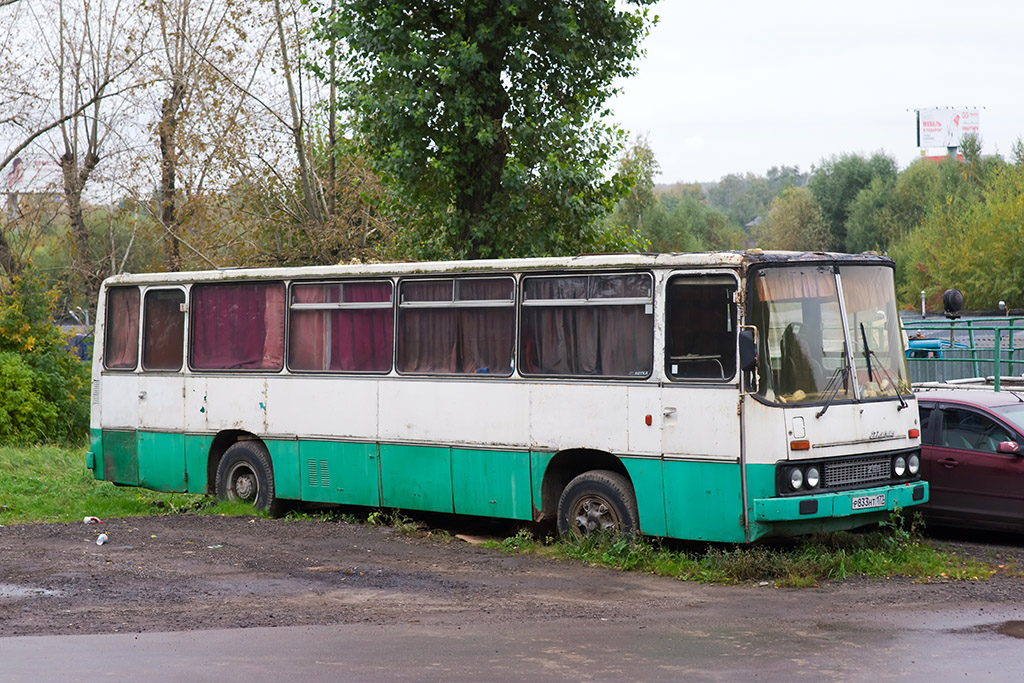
[101, 539]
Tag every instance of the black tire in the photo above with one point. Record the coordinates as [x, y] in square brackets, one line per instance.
[596, 501]
[245, 473]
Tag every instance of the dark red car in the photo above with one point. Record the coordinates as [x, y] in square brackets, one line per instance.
[972, 455]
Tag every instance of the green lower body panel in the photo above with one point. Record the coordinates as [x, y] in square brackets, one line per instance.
[339, 472]
[491, 483]
[284, 459]
[648, 480]
[120, 459]
[703, 501]
[416, 477]
[161, 460]
[197, 455]
[94, 456]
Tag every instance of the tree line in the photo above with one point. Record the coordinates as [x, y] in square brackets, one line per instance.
[947, 223]
[191, 134]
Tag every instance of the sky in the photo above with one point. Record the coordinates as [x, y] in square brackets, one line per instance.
[737, 86]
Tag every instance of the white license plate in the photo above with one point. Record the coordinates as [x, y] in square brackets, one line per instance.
[867, 502]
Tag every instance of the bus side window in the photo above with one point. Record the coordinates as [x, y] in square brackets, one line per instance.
[121, 338]
[341, 327]
[700, 327]
[456, 326]
[587, 325]
[163, 333]
[238, 326]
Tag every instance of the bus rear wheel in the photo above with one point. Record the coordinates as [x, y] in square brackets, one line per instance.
[245, 474]
[596, 501]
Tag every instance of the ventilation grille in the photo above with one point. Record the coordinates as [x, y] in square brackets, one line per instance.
[854, 472]
[318, 472]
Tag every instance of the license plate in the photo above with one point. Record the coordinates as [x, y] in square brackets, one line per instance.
[867, 502]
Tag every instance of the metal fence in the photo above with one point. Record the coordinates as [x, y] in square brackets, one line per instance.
[971, 347]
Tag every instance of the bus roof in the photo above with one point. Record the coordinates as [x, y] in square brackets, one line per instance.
[727, 259]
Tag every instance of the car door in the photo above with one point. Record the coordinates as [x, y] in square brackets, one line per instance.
[970, 481]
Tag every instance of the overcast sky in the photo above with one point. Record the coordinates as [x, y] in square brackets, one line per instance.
[743, 85]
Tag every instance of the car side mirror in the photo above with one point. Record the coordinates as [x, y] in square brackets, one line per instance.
[748, 348]
[1009, 447]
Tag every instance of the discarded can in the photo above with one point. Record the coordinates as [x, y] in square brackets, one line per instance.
[92, 520]
[101, 539]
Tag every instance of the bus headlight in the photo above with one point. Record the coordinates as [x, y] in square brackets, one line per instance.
[796, 478]
[913, 464]
[812, 477]
[899, 466]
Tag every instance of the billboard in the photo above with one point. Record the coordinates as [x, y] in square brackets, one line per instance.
[946, 127]
[32, 175]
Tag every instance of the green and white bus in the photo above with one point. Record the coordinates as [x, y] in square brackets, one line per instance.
[718, 396]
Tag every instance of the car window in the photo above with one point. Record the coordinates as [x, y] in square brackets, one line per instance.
[967, 430]
[926, 411]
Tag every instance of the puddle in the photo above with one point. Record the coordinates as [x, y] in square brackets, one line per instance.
[1014, 629]
[10, 590]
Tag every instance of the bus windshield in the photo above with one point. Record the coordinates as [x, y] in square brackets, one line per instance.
[805, 350]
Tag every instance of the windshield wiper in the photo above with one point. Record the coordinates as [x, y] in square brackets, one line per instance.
[868, 352]
[837, 380]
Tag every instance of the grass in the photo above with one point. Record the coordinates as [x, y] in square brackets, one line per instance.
[51, 484]
[895, 549]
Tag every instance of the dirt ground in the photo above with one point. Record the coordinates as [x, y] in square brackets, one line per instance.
[187, 572]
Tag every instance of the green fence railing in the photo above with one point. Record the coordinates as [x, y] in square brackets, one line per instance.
[975, 346]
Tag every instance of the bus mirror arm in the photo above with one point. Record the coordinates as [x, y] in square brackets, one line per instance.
[748, 347]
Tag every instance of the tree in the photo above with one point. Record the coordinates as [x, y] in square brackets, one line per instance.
[954, 246]
[794, 222]
[485, 117]
[836, 183]
[99, 47]
[1017, 152]
[45, 388]
[637, 167]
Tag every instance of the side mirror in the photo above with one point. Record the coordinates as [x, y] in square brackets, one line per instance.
[748, 348]
[1008, 447]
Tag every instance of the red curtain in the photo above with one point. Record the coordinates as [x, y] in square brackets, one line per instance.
[121, 344]
[473, 338]
[238, 326]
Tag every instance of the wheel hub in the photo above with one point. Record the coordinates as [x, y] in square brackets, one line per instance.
[594, 514]
[246, 486]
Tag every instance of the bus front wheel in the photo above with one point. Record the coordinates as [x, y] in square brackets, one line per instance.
[595, 501]
[245, 474]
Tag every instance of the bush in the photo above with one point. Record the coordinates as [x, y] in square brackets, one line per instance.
[44, 389]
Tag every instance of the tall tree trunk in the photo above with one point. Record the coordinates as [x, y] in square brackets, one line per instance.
[75, 179]
[167, 131]
[9, 261]
[310, 196]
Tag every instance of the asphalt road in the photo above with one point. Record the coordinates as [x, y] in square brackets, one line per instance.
[692, 645]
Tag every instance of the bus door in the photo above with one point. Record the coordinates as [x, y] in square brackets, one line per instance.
[700, 421]
[161, 391]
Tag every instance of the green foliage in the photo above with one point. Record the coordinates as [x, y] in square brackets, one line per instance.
[486, 117]
[672, 219]
[895, 549]
[836, 184]
[44, 390]
[972, 241]
[690, 225]
[745, 197]
[793, 222]
[638, 166]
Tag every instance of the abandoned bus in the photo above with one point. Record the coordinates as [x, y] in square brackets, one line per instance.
[717, 396]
